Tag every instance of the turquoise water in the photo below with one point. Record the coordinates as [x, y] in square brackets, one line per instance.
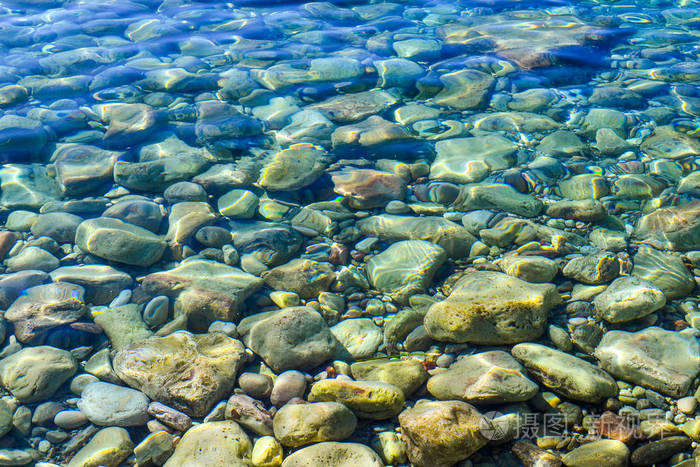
[490, 205]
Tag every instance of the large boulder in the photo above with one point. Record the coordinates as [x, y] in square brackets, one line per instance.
[565, 374]
[119, 241]
[291, 338]
[213, 443]
[487, 307]
[190, 372]
[33, 374]
[442, 433]
[665, 361]
[203, 290]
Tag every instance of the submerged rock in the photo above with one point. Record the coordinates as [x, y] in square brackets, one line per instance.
[294, 337]
[34, 374]
[665, 361]
[565, 374]
[489, 377]
[444, 432]
[203, 290]
[455, 239]
[189, 372]
[491, 308]
[405, 268]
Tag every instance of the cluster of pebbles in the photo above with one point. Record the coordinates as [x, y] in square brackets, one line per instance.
[341, 234]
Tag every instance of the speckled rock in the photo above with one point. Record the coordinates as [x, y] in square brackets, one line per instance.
[442, 433]
[305, 277]
[334, 454]
[109, 447]
[189, 372]
[407, 374]
[214, 444]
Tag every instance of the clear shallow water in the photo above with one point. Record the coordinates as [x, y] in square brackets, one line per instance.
[184, 165]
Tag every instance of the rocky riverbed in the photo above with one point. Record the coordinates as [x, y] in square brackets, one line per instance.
[350, 233]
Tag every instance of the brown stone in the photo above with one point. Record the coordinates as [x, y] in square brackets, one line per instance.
[367, 188]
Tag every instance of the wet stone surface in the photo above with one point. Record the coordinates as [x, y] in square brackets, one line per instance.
[349, 233]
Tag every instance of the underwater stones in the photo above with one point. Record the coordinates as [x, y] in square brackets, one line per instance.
[468, 160]
[107, 404]
[367, 188]
[141, 212]
[305, 277]
[604, 118]
[665, 270]
[223, 130]
[442, 433]
[359, 337]
[347, 108]
[562, 144]
[155, 175]
[109, 447]
[101, 283]
[82, 168]
[213, 443]
[488, 307]
[407, 374]
[33, 374]
[586, 210]
[525, 122]
[491, 377]
[189, 372]
[319, 69]
[666, 143]
[26, 186]
[186, 218]
[405, 268]
[203, 290]
[529, 268]
[122, 324]
[628, 298]
[294, 337]
[565, 374]
[637, 186]
[301, 424]
[397, 72]
[497, 196]
[12, 285]
[597, 268]
[584, 186]
[676, 227]
[119, 241]
[32, 257]
[418, 49]
[455, 239]
[44, 307]
[21, 138]
[333, 453]
[293, 168]
[665, 361]
[306, 125]
[465, 89]
[375, 135]
[60, 226]
[238, 203]
[608, 452]
[127, 124]
[367, 399]
[270, 243]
